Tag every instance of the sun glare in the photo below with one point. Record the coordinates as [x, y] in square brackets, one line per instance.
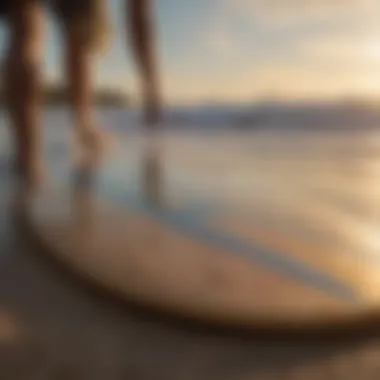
[372, 50]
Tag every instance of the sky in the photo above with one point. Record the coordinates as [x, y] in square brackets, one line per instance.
[246, 50]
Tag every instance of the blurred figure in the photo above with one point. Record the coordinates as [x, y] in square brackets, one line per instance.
[85, 27]
[84, 24]
[142, 33]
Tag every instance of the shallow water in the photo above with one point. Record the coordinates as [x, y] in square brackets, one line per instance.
[323, 184]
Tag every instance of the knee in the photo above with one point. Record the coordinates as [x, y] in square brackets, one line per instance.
[26, 26]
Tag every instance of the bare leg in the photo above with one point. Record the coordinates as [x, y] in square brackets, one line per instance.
[24, 89]
[80, 61]
[139, 13]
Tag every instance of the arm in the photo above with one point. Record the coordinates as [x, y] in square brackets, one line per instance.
[142, 35]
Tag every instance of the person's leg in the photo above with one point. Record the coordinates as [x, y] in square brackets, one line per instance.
[139, 16]
[139, 20]
[23, 87]
[81, 29]
[79, 74]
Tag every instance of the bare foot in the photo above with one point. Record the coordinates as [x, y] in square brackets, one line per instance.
[92, 143]
[29, 179]
[30, 173]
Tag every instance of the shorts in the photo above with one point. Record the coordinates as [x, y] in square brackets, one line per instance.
[88, 18]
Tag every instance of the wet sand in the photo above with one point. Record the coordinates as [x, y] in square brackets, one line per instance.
[52, 327]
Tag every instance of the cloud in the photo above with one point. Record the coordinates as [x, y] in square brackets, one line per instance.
[287, 20]
[298, 7]
[220, 40]
[288, 13]
[291, 48]
[327, 29]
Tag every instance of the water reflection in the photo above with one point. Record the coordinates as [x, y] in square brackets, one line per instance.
[322, 186]
[82, 190]
[153, 176]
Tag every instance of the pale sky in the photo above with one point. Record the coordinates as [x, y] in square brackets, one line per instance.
[240, 50]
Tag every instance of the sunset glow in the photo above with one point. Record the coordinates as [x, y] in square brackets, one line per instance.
[240, 50]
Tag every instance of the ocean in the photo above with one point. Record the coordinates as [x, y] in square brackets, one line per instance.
[319, 182]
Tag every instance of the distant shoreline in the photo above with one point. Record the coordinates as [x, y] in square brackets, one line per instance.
[58, 96]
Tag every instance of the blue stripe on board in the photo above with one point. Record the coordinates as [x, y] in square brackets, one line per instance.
[193, 224]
